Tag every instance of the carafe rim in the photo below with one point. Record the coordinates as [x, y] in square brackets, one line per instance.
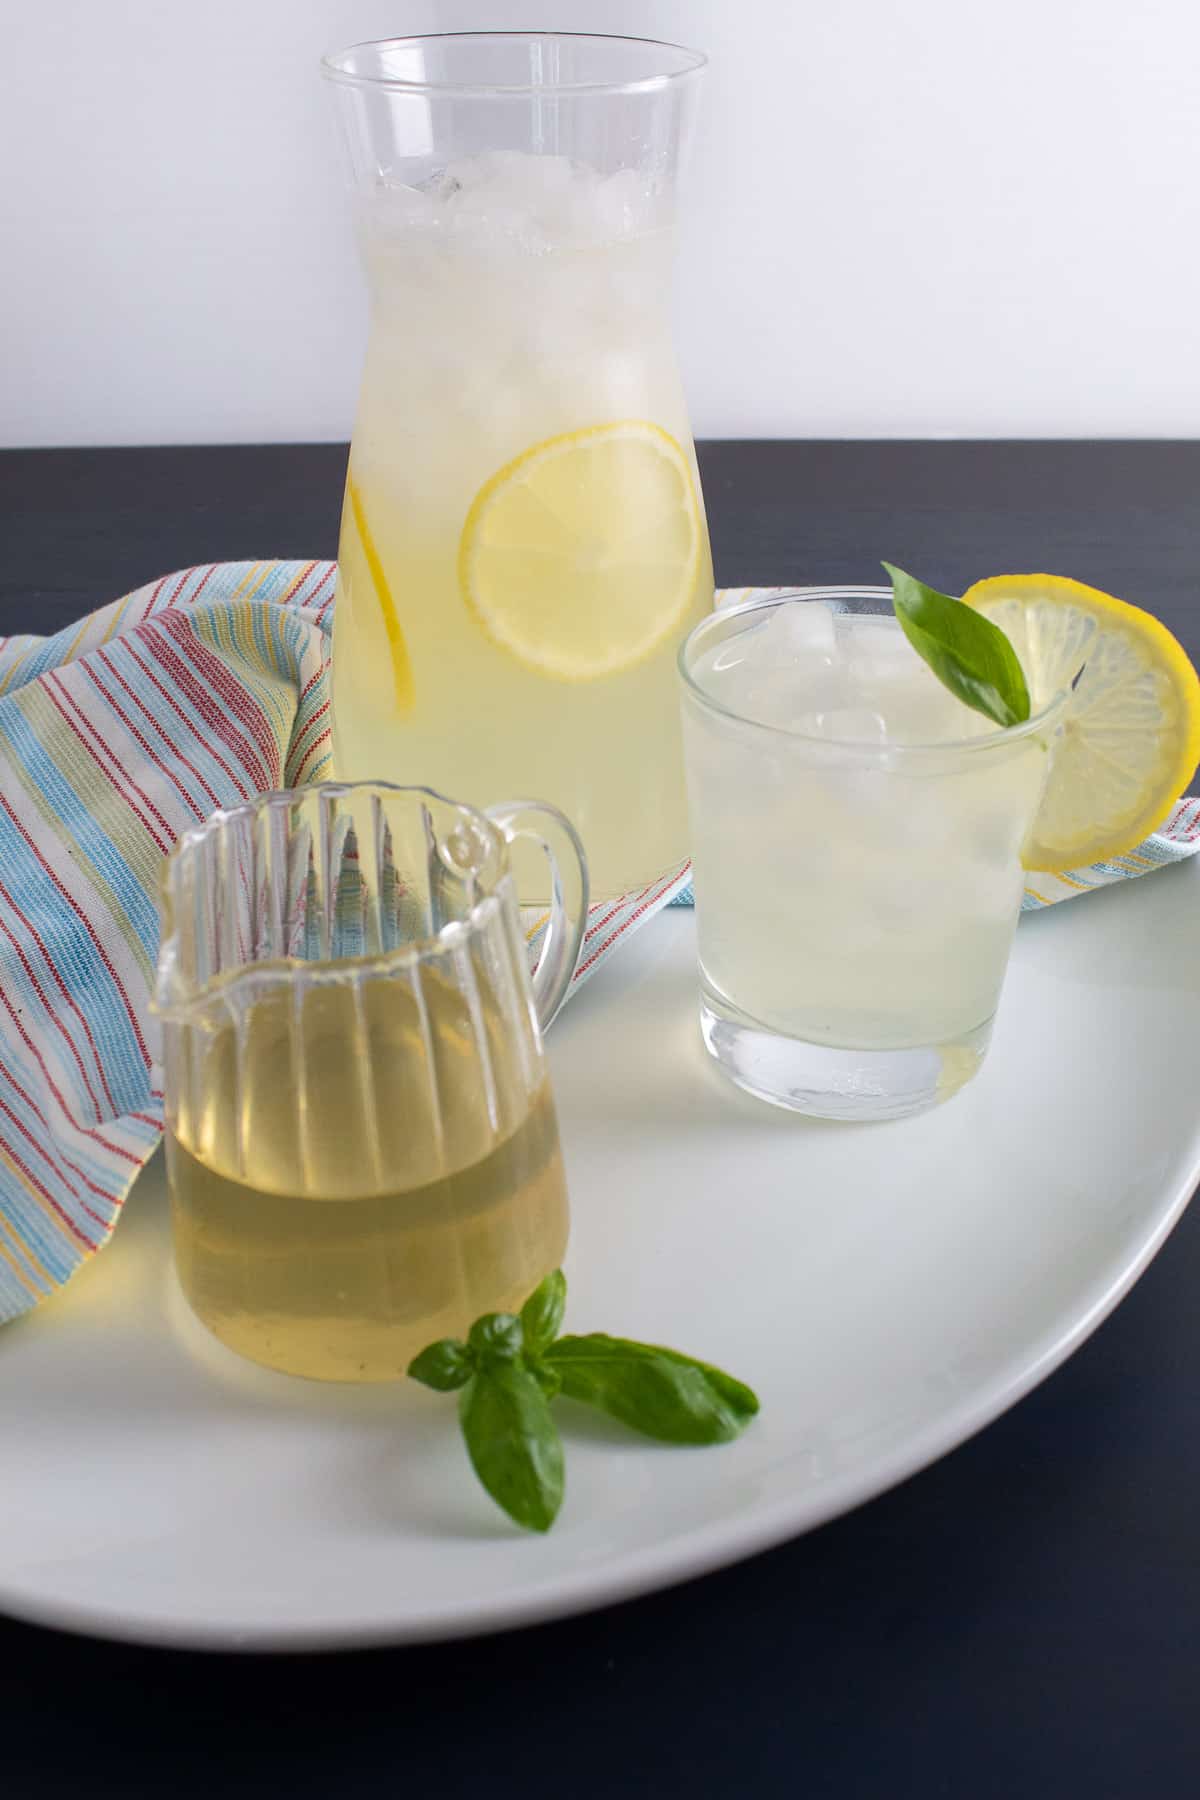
[692, 64]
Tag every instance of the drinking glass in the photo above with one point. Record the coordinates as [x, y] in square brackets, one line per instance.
[523, 541]
[362, 1151]
[856, 840]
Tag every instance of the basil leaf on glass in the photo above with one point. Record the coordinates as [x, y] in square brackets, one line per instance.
[968, 654]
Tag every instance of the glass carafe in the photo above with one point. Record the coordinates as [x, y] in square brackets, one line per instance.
[523, 540]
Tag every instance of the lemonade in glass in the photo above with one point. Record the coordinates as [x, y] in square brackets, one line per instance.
[523, 541]
[858, 836]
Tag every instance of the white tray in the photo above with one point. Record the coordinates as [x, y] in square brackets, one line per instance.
[888, 1289]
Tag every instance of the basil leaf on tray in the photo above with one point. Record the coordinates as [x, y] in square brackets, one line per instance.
[514, 1444]
[444, 1366]
[495, 1337]
[657, 1391]
[542, 1313]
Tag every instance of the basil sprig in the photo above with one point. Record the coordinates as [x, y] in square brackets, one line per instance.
[968, 654]
[510, 1368]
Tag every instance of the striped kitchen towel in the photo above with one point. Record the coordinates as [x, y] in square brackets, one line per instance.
[194, 692]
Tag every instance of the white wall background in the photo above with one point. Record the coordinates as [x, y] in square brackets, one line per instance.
[905, 217]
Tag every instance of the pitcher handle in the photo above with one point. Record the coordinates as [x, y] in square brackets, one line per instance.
[555, 835]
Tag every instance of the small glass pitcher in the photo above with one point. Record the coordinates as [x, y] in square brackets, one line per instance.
[362, 1148]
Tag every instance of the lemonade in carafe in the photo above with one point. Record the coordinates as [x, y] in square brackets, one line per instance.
[523, 542]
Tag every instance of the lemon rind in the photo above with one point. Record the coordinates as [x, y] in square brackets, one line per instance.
[1169, 655]
[401, 661]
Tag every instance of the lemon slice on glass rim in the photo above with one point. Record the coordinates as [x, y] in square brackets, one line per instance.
[580, 557]
[1131, 732]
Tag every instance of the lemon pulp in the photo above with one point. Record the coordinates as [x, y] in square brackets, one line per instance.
[580, 556]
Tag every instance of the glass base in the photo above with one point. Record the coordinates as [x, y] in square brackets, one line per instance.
[828, 1082]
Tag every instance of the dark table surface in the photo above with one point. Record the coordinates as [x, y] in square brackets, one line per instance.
[1022, 1619]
